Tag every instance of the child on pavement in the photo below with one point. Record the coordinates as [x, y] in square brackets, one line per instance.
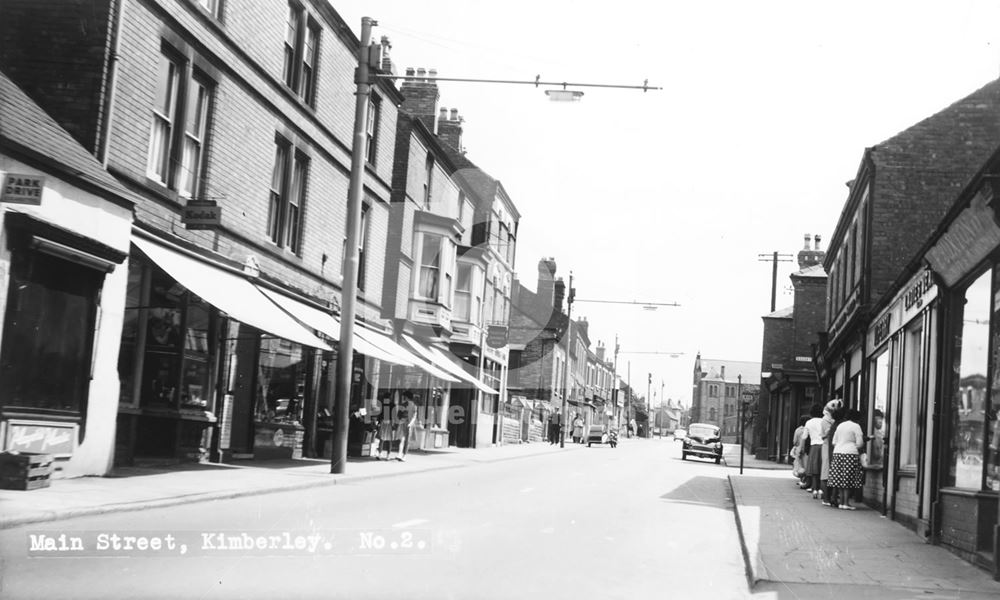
[845, 465]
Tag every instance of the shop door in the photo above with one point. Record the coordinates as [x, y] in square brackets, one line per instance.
[244, 390]
[461, 418]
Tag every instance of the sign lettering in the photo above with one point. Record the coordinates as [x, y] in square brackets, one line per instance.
[202, 214]
[22, 189]
[882, 328]
[55, 439]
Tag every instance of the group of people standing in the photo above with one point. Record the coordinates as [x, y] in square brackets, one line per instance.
[577, 425]
[395, 423]
[828, 454]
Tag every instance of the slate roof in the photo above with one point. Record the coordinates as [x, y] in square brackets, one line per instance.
[815, 271]
[35, 137]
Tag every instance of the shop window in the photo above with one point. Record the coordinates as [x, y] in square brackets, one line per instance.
[281, 381]
[881, 386]
[970, 403]
[910, 398]
[45, 362]
[164, 354]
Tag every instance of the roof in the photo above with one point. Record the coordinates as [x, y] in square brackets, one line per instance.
[29, 132]
[813, 272]
[927, 165]
[531, 314]
[750, 371]
[781, 313]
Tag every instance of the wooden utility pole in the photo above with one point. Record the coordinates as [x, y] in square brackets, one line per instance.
[775, 257]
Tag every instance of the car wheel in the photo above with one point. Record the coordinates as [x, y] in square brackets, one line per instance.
[588, 444]
[718, 459]
[684, 455]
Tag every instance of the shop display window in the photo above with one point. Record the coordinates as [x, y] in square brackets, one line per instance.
[970, 402]
[164, 358]
[281, 381]
[881, 385]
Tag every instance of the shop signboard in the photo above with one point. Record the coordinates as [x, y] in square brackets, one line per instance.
[42, 437]
[202, 214]
[496, 336]
[968, 240]
[22, 189]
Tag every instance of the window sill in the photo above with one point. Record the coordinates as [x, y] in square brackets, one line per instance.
[967, 493]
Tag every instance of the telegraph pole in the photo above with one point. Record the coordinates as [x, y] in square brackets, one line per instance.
[739, 415]
[616, 389]
[569, 340]
[774, 258]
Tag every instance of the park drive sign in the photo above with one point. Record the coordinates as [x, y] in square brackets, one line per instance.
[22, 189]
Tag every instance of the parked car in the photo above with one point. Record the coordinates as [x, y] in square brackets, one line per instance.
[598, 435]
[702, 441]
[680, 434]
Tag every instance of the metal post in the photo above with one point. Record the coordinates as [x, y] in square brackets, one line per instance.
[628, 397]
[615, 389]
[569, 340]
[349, 290]
[649, 407]
[739, 415]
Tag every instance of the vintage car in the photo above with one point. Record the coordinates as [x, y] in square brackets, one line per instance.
[599, 435]
[702, 441]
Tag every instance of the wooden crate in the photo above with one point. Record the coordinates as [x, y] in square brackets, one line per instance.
[25, 470]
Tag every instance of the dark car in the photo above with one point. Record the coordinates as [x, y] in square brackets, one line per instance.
[702, 441]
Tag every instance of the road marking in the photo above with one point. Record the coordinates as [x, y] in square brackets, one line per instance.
[409, 523]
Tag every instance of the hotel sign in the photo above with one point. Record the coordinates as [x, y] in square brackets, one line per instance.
[22, 189]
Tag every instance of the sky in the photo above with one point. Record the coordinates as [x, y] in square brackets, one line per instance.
[672, 195]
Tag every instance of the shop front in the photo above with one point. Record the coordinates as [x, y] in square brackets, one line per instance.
[901, 346]
[209, 366]
[64, 239]
[967, 484]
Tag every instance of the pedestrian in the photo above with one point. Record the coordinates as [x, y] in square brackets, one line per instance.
[814, 438]
[386, 432]
[554, 426]
[406, 417]
[833, 413]
[578, 429]
[631, 427]
[799, 452]
[845, 463]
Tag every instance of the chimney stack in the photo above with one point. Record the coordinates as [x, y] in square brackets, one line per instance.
[600, 351]
[386, 66]
[450, 129]
[421, 96]
[546, 280]
[809, 257]
[558, 295]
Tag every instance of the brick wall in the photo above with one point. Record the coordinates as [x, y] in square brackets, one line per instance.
[56, 51]
[809, 317]
[779, 335]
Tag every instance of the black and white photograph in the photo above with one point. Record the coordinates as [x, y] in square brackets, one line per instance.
[445, 299]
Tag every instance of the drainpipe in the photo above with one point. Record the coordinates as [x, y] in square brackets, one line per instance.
[109, 106]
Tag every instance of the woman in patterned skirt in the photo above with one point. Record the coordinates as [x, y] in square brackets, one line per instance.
[845, 465]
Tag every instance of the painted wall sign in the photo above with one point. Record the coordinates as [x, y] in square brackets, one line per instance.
[57, 439]
[968, 240]
[911, 299]
[22, 189]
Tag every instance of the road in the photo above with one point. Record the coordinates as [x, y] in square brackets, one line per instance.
[633, 522]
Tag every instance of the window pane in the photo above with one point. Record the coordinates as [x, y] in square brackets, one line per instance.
[164, 108]
[281, 381]
[880, 394]
[194, 136]
[296, 198]
[291, 40]
[46, 356]
[274, 217]
[195, 384]
[969, 401]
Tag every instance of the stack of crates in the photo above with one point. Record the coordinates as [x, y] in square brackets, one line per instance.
[25, 470]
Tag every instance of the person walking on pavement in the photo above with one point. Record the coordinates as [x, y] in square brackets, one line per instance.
[845, 464]
[814, 433]
[406, 417]
[554, 427]
[578, 429]
[386, 431]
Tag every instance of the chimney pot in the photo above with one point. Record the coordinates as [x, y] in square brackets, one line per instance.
[454, 114]
[432, 73]
[421, 73]
[807, 241]
[443, 114]
[409, 71]
[816, 239]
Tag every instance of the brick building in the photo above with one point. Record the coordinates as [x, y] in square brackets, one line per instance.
[239, 114]
[65, 225]
[881, 365]
[717, 387]
[790, 385]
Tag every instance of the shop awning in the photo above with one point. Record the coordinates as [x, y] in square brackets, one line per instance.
[440, 359]
[329, 325]
[228, 292]
[390, 345]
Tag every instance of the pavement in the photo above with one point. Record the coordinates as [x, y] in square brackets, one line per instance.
[139, 488]
[790, 539]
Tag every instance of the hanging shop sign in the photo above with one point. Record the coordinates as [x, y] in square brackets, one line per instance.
[22, 189]
[969, 239]
[497, 336]
[202, 214]
[57, 439]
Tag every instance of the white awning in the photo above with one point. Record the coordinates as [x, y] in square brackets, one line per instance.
[228, 292]
[328, 324]
[439, 359]
[389, 345]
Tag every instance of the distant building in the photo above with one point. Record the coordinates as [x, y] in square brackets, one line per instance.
[790, 383]
[717, 387]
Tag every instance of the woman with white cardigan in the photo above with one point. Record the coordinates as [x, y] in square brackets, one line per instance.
[845, 465]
